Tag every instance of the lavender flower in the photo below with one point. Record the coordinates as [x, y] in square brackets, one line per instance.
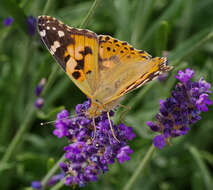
[163, 77]
[36, 185]
[87, 158]
[39, 102]
[8, 21]
[40, 87]
[54, 179]
[31, 25]
[177, 113]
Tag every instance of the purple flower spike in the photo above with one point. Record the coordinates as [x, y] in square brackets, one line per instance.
[202, 102]
[31, 25]
[88, 157]
[163, 77]
[8, 21]
[36, 185]
[123, 154]
[39, 102]
[185, 76]
[181, 110]
[154, 127]
[56, 178]
[40, 87]
[159, 141]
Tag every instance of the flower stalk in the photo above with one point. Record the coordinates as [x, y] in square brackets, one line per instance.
[140, 168]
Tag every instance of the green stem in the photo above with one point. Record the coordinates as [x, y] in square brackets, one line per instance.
[201, 42]
[140, 168]
[89, 14]
[48, 6]
[58, 185]
[204, 172]
[51, 171]
[51, 79]
[18, 137]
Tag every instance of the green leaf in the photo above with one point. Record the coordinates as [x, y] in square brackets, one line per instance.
[190, 45]
[170, 12]
[205, 173]
[207, 156]
[143, 12]
[161, 38]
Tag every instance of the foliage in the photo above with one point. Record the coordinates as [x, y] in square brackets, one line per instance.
[28, 151]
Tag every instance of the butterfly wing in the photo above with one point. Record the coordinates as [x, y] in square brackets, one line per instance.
[75, 50]
[122, 68]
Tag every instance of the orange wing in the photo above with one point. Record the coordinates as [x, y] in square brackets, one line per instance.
[123, 68]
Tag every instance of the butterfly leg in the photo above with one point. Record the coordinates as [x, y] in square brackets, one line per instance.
[94, 127]
[110, 124]
[124, 112]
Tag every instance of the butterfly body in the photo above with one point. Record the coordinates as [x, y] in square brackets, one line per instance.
[103, 67]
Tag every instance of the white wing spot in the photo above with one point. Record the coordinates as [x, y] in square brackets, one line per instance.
[55, 45]
[54, 28]
[48, 27]
[52, 52]
[60, 33]
[157, 72]
[43, 33]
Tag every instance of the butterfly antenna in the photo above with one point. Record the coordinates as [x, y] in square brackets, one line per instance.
[110, 124]
[68, 117]
[94, 127]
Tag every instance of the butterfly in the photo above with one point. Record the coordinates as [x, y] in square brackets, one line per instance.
[104, 68]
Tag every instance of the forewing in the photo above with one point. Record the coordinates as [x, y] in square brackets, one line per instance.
[75, 50]
[123, 68]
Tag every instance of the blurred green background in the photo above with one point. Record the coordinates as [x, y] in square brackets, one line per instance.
[182, 29]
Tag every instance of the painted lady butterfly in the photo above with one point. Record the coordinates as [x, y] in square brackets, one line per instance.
[103, 67]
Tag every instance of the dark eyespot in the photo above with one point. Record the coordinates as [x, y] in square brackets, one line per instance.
[66, 58]
[107, 38]
[76, 75]
[88, 72]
